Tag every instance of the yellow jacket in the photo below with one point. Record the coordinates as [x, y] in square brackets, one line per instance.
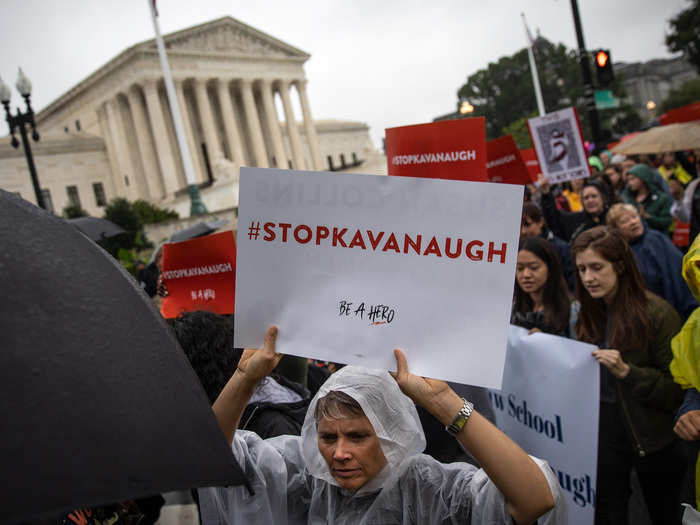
[685, 365]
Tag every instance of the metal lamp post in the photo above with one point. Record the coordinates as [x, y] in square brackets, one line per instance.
[19, 122]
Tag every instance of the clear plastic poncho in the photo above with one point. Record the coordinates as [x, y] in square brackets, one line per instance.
[293, 485]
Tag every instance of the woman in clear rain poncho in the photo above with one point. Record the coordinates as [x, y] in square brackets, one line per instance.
[358, 458]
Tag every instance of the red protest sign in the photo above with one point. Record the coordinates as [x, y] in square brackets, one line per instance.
[504, 163]
[681, 234]
[529, 156]
[449, 149]
[200, 275]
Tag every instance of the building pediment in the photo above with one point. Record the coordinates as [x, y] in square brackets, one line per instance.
[227, 35]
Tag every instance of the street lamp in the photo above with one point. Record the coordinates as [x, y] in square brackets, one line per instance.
[465, 107]
[20, 121]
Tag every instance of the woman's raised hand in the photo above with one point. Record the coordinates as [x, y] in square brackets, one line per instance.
[433, 395]
[257, 363]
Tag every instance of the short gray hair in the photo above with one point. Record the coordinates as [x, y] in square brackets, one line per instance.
[337, 405]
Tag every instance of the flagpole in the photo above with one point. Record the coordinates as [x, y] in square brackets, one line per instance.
[533, 69]
[197, 207]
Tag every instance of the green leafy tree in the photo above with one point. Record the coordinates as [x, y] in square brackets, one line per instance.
[132, 217]
[503, 92]
[686, 94]
[73, 211]
[519, 130]
[120, 211]
[149, 213]
[684, 35]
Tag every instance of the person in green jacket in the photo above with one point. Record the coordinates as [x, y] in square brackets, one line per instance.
[654, 205]
[633, 329]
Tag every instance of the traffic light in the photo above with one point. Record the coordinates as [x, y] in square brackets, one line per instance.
[604, 68]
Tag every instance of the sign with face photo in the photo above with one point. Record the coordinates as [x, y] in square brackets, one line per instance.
[558, 141]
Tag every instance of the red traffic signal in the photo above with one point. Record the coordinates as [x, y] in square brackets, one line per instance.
[601, 58]
[603, 68]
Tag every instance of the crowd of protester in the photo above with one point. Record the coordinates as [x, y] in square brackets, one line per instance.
[629, 298]
[324, 442]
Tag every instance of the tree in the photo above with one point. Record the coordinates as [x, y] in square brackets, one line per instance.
[684, 35]
[73, 211]
[519, 130]
[503, 92]
[132, 217]
[149, 213]
[504, 95]
[121, 212]
[688, 92]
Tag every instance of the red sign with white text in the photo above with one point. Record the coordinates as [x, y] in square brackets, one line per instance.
[449, 149]
[200, 274]
[529, 156]
[504, 163]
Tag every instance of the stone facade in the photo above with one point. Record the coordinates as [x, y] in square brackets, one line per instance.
[67, 165]
[653, 80]
[115, 127]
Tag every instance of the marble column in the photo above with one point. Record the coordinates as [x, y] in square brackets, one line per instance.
[189, 134]
[206, 117]
[273, 124]
[233, 138]
[292, 129]
[124, 162]
[254, 129]
[117, 183]
[166, 157]
[145, 145]
[309, 127]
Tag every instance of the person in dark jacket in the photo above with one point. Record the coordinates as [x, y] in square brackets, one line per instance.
[278, 405]
[654, 205]
[596, 201]
[633, 329]
[532, 225]
[659, 261]
[541, 300]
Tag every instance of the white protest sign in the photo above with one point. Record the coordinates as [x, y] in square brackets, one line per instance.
[351, 266]
[559, 144]
[549, 406]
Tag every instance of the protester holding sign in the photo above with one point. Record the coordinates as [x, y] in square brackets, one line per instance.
[596, 202]
[638, 399]
[358, 459]
[542, 300]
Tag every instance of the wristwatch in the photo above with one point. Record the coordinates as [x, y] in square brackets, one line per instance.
[461, 419]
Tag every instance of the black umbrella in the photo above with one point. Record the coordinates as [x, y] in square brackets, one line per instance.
[197, 230]
[99, 403]
[95, 228]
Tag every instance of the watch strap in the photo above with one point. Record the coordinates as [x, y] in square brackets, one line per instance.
[461, 419]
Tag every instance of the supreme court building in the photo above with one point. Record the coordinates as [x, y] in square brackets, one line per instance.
[112, 134]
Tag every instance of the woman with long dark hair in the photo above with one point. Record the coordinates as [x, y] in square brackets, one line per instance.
[542, 299]
[633, 329]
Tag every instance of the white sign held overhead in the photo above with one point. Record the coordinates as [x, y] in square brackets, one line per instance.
[558, 141]
[352, 266]
[549, 406]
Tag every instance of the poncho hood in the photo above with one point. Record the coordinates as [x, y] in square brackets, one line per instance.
[392, 414]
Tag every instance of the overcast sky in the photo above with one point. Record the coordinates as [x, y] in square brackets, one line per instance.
[385, 63]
